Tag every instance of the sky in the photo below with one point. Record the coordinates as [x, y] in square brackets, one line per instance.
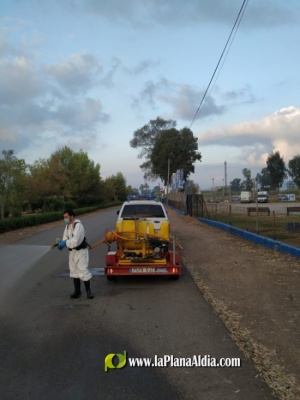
[88, 73]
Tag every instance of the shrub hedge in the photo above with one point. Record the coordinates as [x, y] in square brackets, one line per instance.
[10, 224]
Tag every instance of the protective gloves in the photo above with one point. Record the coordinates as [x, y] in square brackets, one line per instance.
[62, 244]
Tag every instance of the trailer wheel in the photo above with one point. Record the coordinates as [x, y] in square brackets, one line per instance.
[174, 277]
[111, 277]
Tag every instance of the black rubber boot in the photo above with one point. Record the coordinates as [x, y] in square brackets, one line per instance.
[77, 291]
[89, 294]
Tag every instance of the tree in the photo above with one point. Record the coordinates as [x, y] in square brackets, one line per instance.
[264, 179]
[67, 176]
[174, 149]
[235, 185]
[156, 190]
[115, 187]
[191, 187]
[39, 184]
[247, 183]
[12, 178]
[276, 168]
[131, 190]
[144, 138]
[294, 169]
[86, 179]
[74, 176]
[144, 188]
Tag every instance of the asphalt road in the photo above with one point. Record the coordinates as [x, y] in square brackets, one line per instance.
[54, 347]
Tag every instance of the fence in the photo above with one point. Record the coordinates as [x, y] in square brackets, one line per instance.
[272, 220]
[177, 200]
[192, 204]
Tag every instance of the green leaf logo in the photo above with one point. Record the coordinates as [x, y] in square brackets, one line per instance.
[108, 362]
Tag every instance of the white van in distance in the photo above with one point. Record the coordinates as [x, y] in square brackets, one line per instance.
[262, 197]
[246, 197]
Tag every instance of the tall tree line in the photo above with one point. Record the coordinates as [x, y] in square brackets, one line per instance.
[272, 176]
[66, 179]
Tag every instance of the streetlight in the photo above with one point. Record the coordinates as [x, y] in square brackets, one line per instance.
[223, 185]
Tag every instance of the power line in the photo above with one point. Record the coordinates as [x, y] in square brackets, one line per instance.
[228, 49]
[232, 35]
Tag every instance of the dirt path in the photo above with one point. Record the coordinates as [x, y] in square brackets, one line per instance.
[255, 291]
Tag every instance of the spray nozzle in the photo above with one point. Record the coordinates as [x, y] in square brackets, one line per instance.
[57, 240]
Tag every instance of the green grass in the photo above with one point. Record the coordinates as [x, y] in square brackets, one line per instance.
[268, 226]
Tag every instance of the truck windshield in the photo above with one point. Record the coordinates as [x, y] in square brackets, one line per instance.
[143, 210]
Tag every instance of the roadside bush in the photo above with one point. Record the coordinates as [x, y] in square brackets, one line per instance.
[56, 204]
[70, 204]
[13, 223]
[16, 212]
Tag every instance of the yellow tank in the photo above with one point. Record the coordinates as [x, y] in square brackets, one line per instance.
[139, 231]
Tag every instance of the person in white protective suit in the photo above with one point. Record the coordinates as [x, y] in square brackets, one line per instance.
[74, 239]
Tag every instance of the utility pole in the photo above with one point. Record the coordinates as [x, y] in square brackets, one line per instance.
[225, 175]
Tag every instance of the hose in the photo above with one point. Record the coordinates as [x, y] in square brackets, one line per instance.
[98, 243]
[113, 236]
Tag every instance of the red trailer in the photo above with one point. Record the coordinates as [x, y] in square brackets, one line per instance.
[144, 243]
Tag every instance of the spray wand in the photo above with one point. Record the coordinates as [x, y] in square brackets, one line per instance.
[57, 240]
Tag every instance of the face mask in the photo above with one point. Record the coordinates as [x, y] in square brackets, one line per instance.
[67, 220]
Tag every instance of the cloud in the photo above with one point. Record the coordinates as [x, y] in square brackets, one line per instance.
[143, 66]
[108, 80]
[43, 102]
[144, 14]
[278, 131]
[117, 65]
[81, 115]
[147, 95]
[31, 40]
[76, 74]
[38, 102]
[19, 81]
[186, 101]
[183, 100]
[242, 95]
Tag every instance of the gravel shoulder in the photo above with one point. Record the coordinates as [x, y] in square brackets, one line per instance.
[255, 291]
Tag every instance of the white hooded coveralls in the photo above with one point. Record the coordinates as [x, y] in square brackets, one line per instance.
[78, 259]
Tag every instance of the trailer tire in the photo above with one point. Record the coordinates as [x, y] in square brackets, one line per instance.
[111, 277]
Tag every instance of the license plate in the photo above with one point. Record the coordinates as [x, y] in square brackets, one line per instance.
[161, 270]
[142, 270]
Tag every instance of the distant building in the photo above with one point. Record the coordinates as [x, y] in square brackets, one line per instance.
[290, 185]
